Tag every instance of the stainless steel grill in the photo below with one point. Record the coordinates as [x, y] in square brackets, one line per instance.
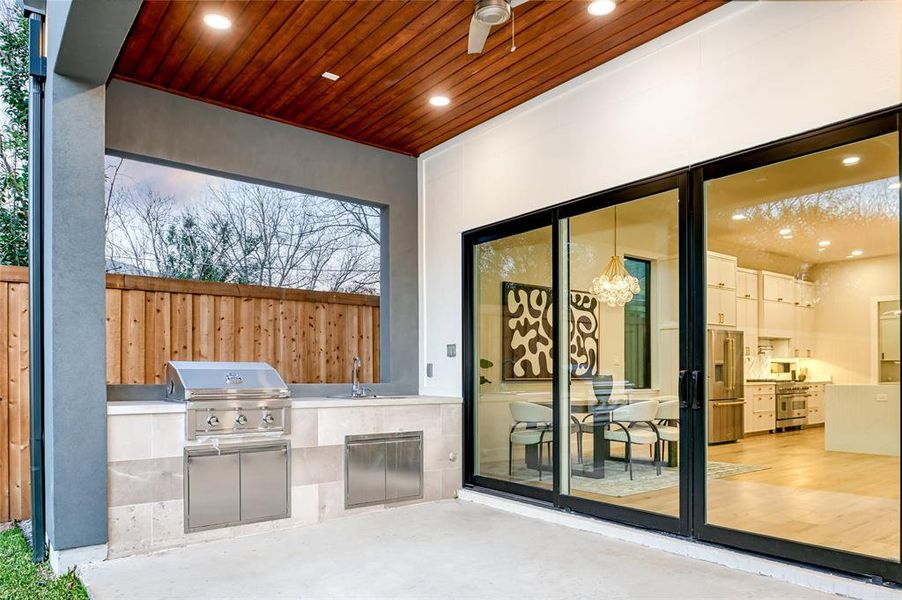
[228, 398]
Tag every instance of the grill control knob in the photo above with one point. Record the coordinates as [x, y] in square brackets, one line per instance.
[241, 420]
[212, 420]
[268, 419]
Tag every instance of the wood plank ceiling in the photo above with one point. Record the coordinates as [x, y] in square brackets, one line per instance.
[391, 56]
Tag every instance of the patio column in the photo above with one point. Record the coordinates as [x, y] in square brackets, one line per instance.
[80, 51]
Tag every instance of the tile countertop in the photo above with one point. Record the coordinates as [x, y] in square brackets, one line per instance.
[139, 407]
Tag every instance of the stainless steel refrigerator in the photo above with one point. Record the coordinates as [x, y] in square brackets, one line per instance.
[725, 386]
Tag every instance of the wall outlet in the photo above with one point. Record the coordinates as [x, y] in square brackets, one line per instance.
[451, 350]
[428, 369]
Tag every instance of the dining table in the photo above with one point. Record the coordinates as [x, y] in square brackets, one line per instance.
[601, 414]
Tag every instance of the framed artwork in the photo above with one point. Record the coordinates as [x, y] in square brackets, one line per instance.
[526, 314]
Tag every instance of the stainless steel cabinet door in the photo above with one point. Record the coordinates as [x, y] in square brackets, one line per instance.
[365, 473]
[403, 469]
[264, 483]
[212, 490]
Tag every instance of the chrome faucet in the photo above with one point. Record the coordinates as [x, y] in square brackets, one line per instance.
[357, 390]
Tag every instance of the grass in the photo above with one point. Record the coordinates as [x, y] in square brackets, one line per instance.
[22, 579]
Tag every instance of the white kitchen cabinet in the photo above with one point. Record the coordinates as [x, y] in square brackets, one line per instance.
[817, 403]
[802, 343]
[747, 321]
[721, 307]
[721, 271]
[776, 319]
[747, 284]
[777, 287]
[760, 407]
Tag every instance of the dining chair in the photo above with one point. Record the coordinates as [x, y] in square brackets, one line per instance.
[537, 430]
[634, 424]
[668, 420]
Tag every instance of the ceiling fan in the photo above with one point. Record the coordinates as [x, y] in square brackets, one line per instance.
[488, 14]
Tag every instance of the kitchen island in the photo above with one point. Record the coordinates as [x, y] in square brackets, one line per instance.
[146, 442]
[862, 419]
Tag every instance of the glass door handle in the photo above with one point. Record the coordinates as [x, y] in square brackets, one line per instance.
[697, 392]
[681, 389]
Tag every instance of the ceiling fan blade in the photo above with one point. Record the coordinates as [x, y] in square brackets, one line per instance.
[516, 3]
[479, 32]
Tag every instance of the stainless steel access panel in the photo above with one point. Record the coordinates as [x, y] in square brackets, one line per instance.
[383, 467]
[236, 484]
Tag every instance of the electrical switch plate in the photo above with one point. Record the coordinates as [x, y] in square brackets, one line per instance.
[451, 350]
[882, 398]
[428, 369]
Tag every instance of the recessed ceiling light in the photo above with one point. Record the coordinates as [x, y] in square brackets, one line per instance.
[331, 76]
[217, 21]
[439, 101]
[856, 252]
[851, 160]
[739, 217]
[895, 186]
[602, 7]
[785, 231]
[787, 237]
[821, 249]
[823, 243]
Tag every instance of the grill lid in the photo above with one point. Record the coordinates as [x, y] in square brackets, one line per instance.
[207, 380]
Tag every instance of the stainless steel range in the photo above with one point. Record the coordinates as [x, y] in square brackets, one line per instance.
[792, 404]
[227, 398]
[237, 462]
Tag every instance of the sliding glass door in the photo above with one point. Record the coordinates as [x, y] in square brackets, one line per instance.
[594, 287]
[713, 353]
[802, 454]
[620, 393]
[513, 428]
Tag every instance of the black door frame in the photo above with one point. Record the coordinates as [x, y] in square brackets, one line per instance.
[690, 182]
[847, 132]
[676, 180]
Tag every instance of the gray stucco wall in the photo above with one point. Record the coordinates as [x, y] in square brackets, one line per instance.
[75, 444]
[164, 127]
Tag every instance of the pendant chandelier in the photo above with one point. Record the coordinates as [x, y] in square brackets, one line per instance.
[615, 287]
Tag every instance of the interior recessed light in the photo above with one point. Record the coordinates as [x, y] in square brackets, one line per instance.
[217, 21]
[823, 243]
[600, 8]
[331, 76]
[787, 237]
[439, 101]
[895, 186]
[851, 160]
[785, 231]
[821, 249]
[856, 252]
[739, 217]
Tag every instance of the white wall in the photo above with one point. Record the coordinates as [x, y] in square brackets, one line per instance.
[744, 74]
[844, 317]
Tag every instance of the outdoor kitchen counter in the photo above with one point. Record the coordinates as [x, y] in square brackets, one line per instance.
[145, 449]
[147, 407]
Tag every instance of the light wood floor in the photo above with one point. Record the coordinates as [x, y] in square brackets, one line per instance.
[834, 499]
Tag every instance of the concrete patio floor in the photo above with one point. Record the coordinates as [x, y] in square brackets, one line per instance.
[448, 549]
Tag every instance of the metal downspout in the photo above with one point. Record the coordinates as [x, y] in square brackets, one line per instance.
[37, 66]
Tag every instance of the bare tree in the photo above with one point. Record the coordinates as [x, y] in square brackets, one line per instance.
[244, 233]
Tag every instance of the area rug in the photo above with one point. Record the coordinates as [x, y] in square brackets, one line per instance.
[617, 482]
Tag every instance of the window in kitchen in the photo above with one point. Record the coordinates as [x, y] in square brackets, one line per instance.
[637, 327]
[208, 267]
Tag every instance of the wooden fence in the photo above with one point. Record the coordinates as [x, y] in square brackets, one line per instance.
[309, 337]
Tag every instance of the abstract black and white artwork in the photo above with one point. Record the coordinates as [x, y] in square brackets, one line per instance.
[527, 335]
